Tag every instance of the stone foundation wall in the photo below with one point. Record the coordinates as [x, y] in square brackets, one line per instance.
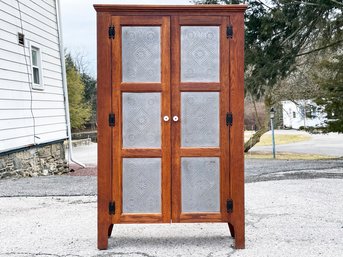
[34, 161]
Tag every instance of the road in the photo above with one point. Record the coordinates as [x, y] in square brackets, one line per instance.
[323, 144]
[255, 170]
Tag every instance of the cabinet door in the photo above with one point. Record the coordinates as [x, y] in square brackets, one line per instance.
[200, 102]
[141, 101]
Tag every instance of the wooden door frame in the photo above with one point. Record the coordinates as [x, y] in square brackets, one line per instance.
[120, 87]
[222, 151]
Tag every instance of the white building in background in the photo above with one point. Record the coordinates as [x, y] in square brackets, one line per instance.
[295, 116]
[32, 90]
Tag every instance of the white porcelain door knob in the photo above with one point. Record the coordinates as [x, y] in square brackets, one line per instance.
[175, 118]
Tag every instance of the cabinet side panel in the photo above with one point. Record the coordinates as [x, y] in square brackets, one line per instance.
[104, 131]
[237, 129]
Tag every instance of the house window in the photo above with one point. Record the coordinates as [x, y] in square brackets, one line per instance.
[21, 39]
[36, 64]
[294, 115]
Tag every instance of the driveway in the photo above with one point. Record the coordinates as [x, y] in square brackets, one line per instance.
[293, 208]
[283, 218]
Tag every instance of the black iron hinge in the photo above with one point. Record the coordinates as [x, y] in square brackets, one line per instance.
[229, 205]
[111, 120]
[112, 208]
[111, 32]
[229, 31]
[229, 119]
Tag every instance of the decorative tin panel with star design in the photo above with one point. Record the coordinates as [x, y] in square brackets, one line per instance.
[200, 54]
[141, 120]
[141, 54]
[199, 119]
[200, 184]
[141, 185]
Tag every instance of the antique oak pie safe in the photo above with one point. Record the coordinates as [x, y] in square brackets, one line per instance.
[170, 116]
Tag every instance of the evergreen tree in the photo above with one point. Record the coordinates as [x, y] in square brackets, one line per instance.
[90, 95]
[80, 112]
[330, 79]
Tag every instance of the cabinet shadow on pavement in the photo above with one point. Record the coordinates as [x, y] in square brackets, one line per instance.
[117, 242]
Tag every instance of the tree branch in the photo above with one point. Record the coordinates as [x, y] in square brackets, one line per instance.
[291, 36]
[255, 109]
[300, 2]
[319, 49]
[336, 2]
[261, 2]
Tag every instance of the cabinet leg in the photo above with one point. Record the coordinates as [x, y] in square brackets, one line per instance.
[239, 236]
[103, 231]
[110, 228]
[237, 232]
[239, 240]
[232, 230]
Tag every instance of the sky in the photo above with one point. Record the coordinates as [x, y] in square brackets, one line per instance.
[79, 26]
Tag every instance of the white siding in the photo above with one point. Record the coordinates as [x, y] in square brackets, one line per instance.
[29, 116]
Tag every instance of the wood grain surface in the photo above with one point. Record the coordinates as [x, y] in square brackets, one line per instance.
[230, 87]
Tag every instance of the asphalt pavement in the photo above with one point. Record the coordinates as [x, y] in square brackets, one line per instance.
[285, 218]
[293, 208]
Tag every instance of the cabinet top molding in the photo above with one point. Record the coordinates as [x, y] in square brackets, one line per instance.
[164, 9]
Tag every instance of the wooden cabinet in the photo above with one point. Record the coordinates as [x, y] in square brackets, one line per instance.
[170, 116]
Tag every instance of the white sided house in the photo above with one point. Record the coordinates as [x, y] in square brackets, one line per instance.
[33, 120]
[302, 113]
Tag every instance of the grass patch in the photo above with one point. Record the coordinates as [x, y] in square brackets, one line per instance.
[280, 139]
[287, 156]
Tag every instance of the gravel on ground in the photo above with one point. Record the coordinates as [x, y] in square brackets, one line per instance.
[300, 218]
